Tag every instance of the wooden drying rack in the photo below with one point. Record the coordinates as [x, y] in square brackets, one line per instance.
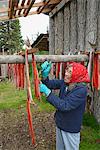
[23, 8]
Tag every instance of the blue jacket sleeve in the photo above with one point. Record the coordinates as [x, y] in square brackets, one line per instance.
[72, 101]
[53, 84]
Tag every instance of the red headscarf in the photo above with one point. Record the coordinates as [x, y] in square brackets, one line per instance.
[79, 73]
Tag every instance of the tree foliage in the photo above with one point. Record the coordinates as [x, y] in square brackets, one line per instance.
[10, 36]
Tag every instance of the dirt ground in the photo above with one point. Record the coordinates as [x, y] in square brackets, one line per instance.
[14, 131]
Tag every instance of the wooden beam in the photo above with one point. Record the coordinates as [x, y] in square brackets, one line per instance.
[11, 7]
[40, 9]
[31, 51]
[14, 59]
[46, 10]
[30, 6]
[16, 6]
[38, 4]
[28, 3]
[22, 4]
[52, 2]
[5, 18]
[58, 7]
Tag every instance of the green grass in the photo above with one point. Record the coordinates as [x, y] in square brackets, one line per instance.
[89, 120]
[90, 133]
[88, 139]
[12, 98]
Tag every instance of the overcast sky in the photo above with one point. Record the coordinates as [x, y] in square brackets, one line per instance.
[34, 24]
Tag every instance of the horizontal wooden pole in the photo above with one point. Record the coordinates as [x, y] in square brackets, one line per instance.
[16, 59]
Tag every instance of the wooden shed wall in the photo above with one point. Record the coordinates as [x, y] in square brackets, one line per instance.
[76, 23]
[73, 24]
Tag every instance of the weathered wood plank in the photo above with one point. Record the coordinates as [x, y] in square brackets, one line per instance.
[58, 7]
[30, 5]
[81, 9]
[4, 59]
[66, 29]
[60, 33]
[40, 9]
[91, 24]
[56, 33]
[51, 36]
[14, 59]
[31, 51]
[73, 27]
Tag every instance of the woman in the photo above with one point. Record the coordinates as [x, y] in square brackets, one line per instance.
[70, 105]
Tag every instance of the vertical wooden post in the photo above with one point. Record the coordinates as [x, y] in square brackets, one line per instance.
[51, 36]
[81, 12]
[73, 27]
[56, 33]
[91, 24]
[66, 29]
[60, 33]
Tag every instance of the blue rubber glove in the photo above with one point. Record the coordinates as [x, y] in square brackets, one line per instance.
[46, 67]
[44, 89]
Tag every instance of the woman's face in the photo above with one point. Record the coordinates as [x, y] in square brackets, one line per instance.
[68, 74]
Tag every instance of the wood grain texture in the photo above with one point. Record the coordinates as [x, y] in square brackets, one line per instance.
[81, 12]
[60, 33]
[51, 36]
[91, 24]
[73, 27]
[67, 29]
